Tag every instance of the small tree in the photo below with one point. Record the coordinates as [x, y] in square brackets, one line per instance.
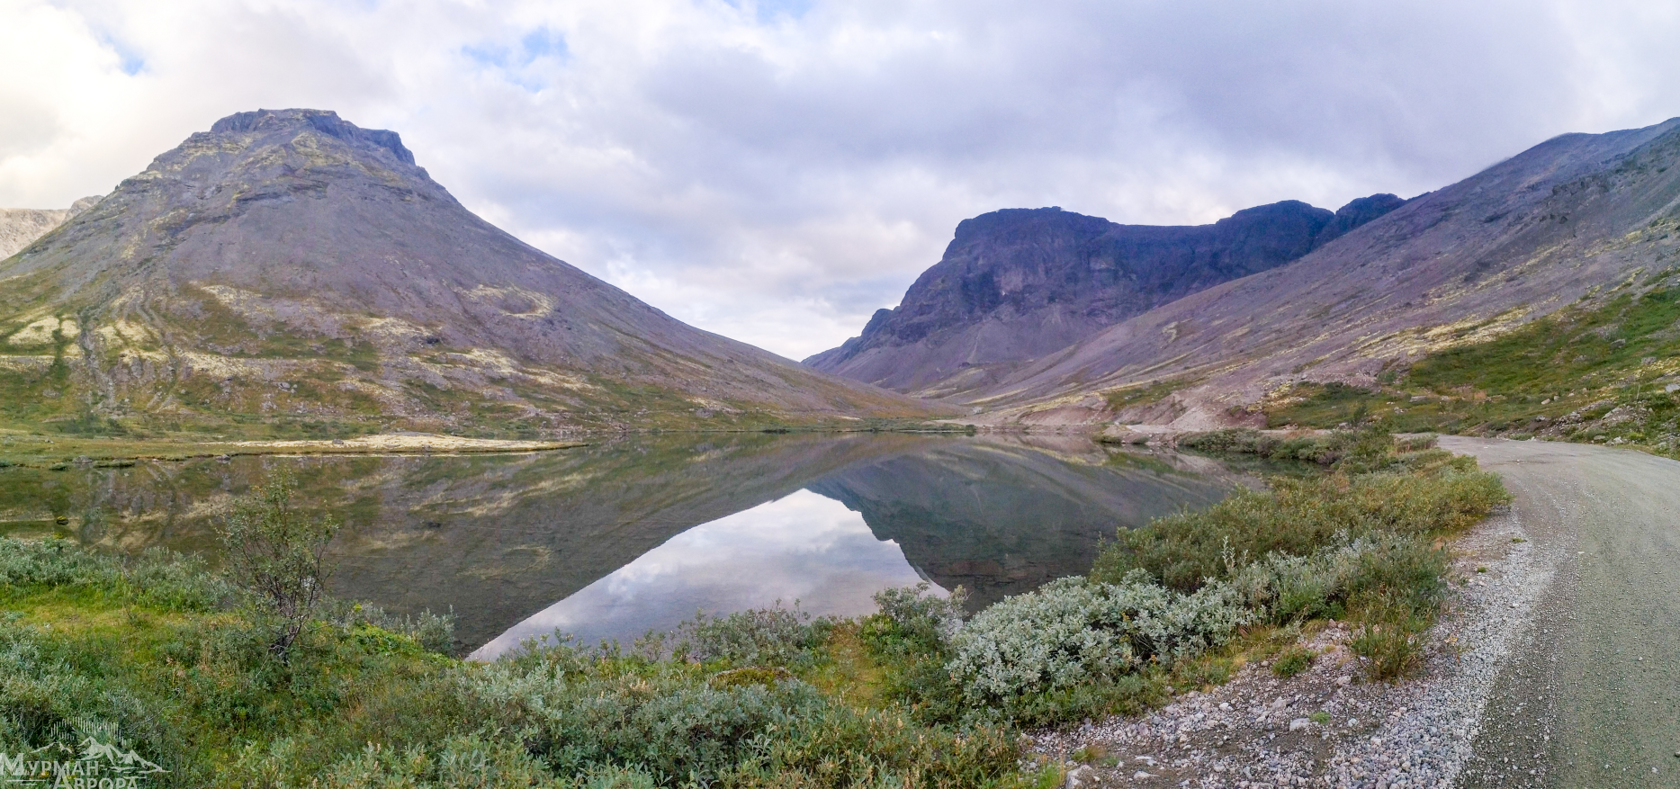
[278, 554]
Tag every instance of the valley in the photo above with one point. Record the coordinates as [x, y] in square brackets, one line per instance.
[964, 525]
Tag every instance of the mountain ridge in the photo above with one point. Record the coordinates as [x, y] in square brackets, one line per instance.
[290, 265]
[1016, 284]
[1574, 217]
[19, 227]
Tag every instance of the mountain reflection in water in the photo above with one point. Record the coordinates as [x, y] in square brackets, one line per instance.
[608, 541]
[803, 548]
[996, 516]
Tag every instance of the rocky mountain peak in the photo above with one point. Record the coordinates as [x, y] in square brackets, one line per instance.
[279, 122]
[1018, 283]
[290, 251]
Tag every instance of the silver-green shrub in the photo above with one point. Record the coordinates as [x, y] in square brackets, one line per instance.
[1284, 588]
[1072, 631]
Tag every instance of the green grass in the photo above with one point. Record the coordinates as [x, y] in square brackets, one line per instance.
[1557, 377]
[1293, 661]
[1145, 394]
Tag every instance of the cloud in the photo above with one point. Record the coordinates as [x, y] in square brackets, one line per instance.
[775, 170]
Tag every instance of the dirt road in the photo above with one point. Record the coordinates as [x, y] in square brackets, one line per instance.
[1592, 696]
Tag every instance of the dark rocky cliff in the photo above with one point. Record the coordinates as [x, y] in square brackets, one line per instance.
[1017, 284]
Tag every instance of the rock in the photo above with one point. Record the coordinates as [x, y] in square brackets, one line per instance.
[1122, 434]
[1081, 777]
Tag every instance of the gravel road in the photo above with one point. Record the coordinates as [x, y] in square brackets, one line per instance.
[1591, 696]
[1556, 663]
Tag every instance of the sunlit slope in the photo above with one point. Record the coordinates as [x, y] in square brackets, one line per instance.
[1571, 217]
[290, 268]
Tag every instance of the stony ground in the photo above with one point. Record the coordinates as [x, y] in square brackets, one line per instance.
[1329, 726]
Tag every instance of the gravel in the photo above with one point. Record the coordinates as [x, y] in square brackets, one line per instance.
[1259, 730]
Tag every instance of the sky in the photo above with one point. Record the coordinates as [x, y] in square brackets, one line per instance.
[775, 171]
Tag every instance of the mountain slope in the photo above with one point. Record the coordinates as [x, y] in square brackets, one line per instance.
[1571, 217]
[289, 265]
[1017, 284]
[19, 227]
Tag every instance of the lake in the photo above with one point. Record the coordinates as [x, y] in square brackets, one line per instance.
[611, 540]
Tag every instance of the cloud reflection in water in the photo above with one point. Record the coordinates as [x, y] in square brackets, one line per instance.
[803, 547]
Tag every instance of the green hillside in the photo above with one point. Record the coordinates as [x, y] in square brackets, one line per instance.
[1606, 370]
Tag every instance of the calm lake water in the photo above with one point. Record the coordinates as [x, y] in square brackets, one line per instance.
[610, 541]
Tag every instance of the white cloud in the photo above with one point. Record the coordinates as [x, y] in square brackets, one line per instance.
[775, 171]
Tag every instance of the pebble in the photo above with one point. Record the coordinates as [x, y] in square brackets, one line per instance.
[1082, 776]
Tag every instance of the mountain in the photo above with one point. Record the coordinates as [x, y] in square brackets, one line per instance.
[1574, 220]
[1017, 284]
[19, 227]
[290, 268]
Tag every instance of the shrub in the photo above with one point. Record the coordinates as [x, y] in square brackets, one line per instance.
[1072, 633]
[158, 578]
[1293, 661]
[44, 699]
[462, 761]
[1393, 650]
[278, 554]
[768, 636]
[1347, 573]
[1296, 517]
[911, 621]
[580, 711]
[433, 632]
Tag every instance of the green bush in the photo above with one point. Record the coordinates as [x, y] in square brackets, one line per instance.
[1392, 646]
[1293, 661]
[158, 578]
[913, 622]
[580, 710]
[1071, 633]
[1297, 516]
[765, 636]
[279, 555]
[433, 632]
[1347, 573]
[44, 699]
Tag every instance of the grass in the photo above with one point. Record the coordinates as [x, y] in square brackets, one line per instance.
[1293, 661]
[1144, 394]
[1597, 372]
